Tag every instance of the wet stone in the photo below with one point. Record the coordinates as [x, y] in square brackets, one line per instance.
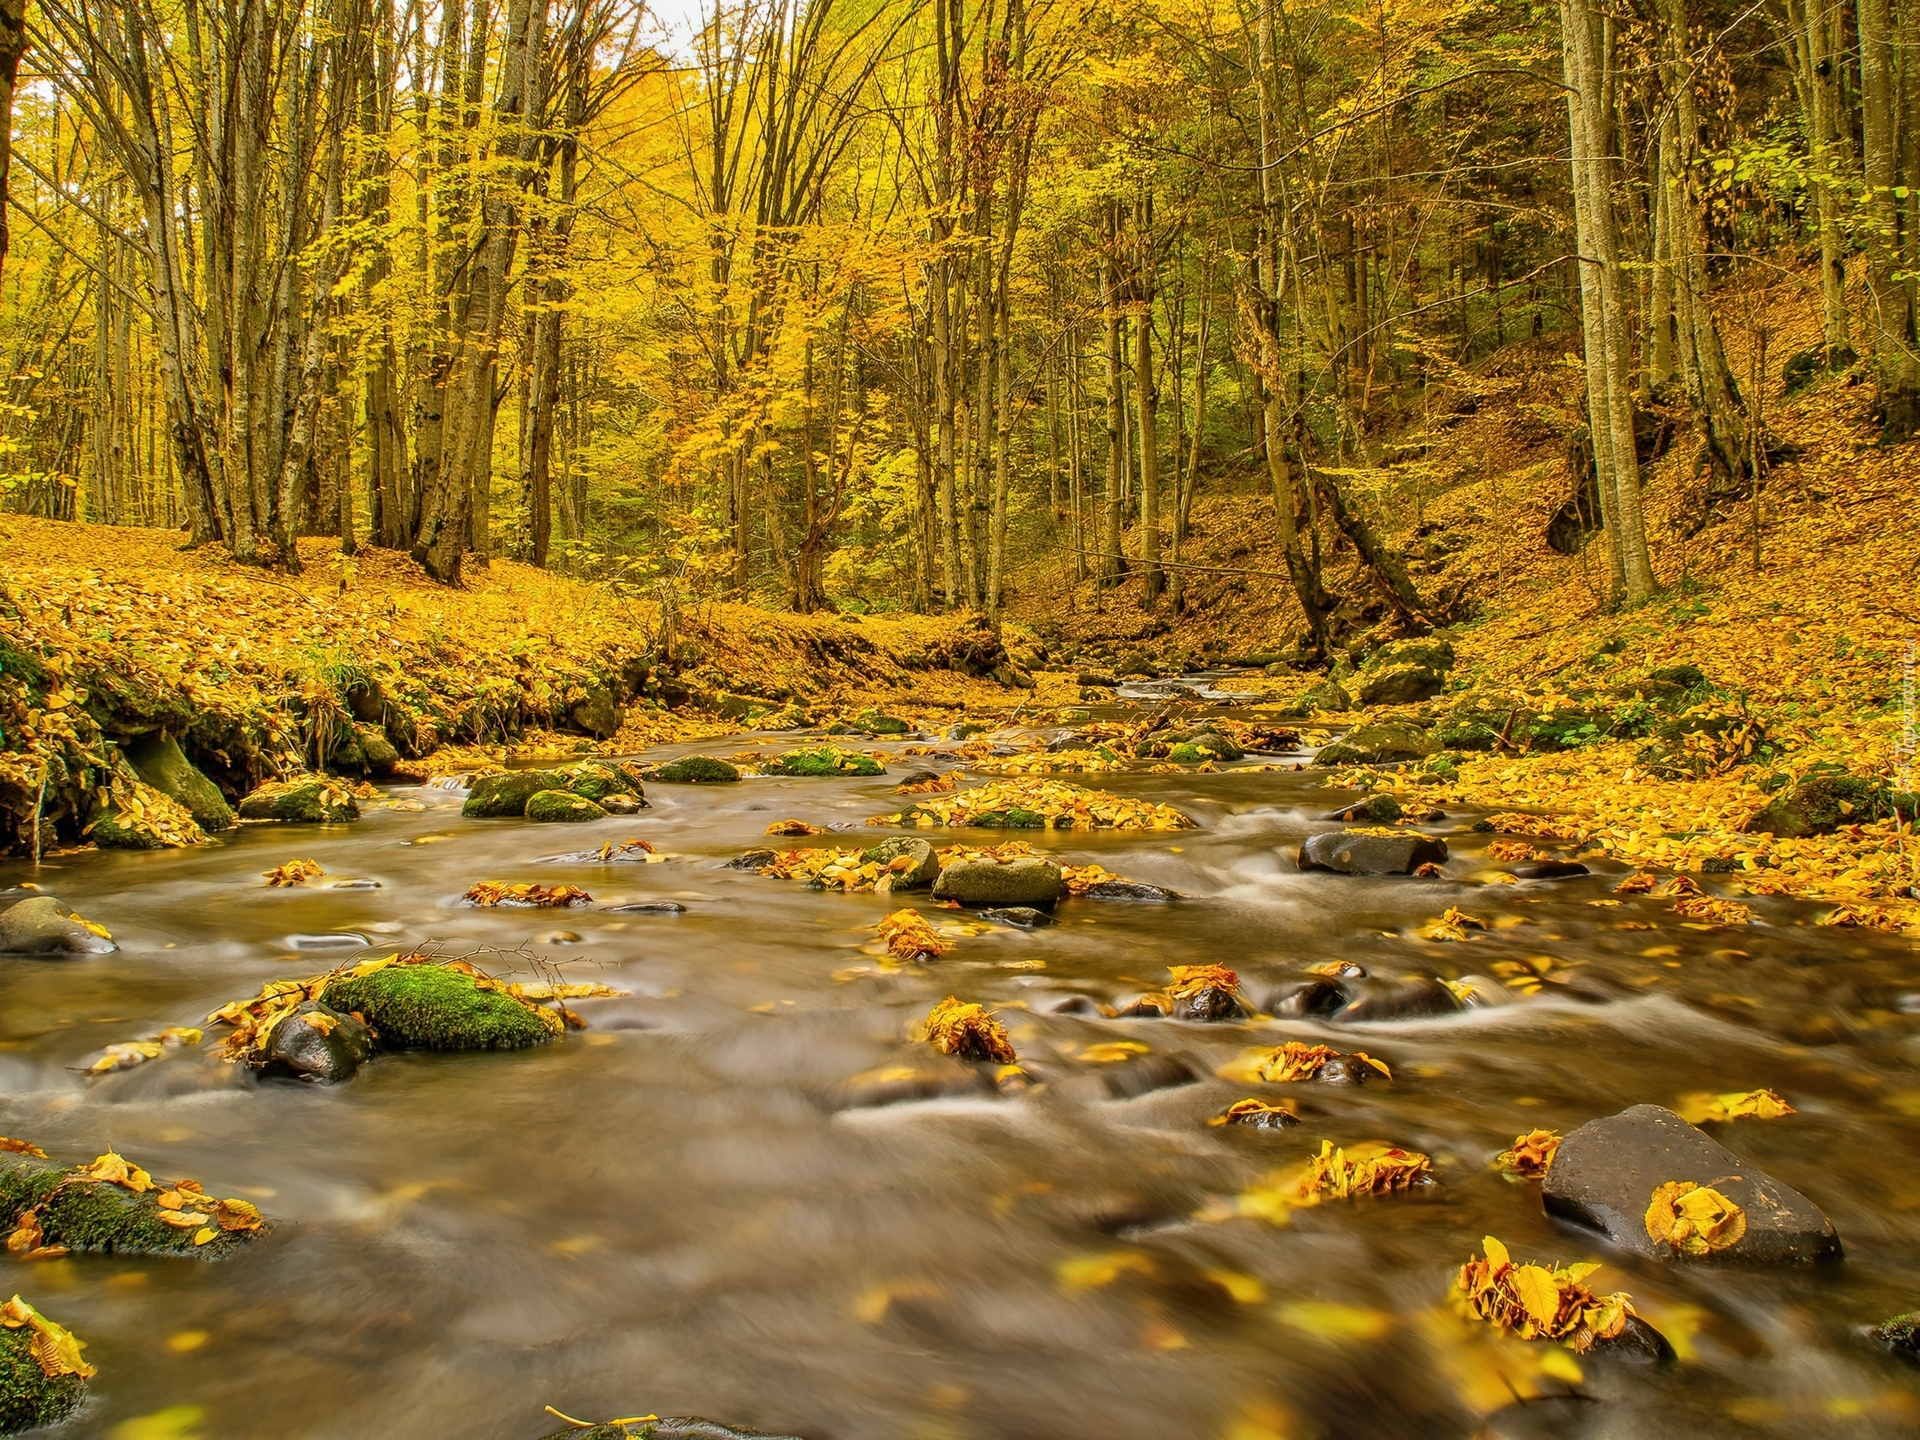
[648, 907]
[1605, 1173]
[1301, 996]
[994, 883]
[1144, 1074]
[561, 807]
[1638, 1343]
[1024, 916]
[43, 926]
[1347, 852]
[1417, 997]
[1550, 870]
[1130, 890]
[1374, 810]
[1347, 1070]
[902, 1084]
[749, 860]
[924, 867]
[318, 1044]
[1901, 1335]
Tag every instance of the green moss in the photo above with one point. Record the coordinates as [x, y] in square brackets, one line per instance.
[696, 770]
[594, 781]
[875, 723]
[493, 796]
[827, 760]
[433, 1007]
[100, 1218]
[563, 806]
[160, 762]
[1467, 735]
[309, 801]
[1186, 754]
[1011, 818]
[29, 1398]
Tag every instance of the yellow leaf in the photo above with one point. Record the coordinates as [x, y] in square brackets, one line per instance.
[1537, 1292]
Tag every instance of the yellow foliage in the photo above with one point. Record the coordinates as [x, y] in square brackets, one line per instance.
[1694, 1219]
[1530, 1156]
[1538, 1302]
[958, 1027]
[1293, 1060]
[1052, 803]
[909, 937]
[56, 1350]
[293, 872]
[1704, 1108]
[525, 894]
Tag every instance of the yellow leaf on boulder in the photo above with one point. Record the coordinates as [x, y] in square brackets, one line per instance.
[1694, 1219]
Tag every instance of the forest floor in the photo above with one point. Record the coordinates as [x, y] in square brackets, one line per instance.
[1815, 643]
[1810, 655]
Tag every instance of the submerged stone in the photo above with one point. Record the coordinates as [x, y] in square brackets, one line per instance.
[1024, 916]
[310, 800]
[1144, 1074]
[1550, 870]
[43, 926]
[1026, 881]
[1354, 852]
[923, 1079]
[318, 1043]
[159, 760]
[1605, 1173]
[435, 1007]
[648, 907]
[1416, 997]
[1130, 890]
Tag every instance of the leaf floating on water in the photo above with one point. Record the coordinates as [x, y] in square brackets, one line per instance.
[126, 1055]
[1096, 1272]
[962, 1028]
[1709, 911]
[1514, 850]
[293, 872]
[936, 785]
[1452, 925]
[1113, 1052]
[909, 937]
[1530, 1156]
[494, 892]
[56, 1349]
[1372, 1168]
[1538, 1302]
[1704, 1108]
[1694, 1219]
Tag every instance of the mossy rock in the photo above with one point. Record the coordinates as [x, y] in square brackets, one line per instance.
[827, 760]
[161, 762]
[876, 723]
[1429, 653]
[311, 800]
[1378, 745]
[1400, 685]
[492, 796]
[597, 712]
[1568, 727]
[1822, 803]
[1901, 1334]
[697, 770]
[30, 1398]
[1467, 735]
[377, 752]
[97, 1217]
[563, 806]
[1328, 695]
[595, 780]
[1013, 818]
[435, 1007]
[162, 823]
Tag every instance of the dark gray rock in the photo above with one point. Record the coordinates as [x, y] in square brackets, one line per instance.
[1302, 995]
[1550, 870]
[922, 1079]
[1637, 1344]
[925, 866]
[318, 1044]
[1605, 1173]
[1130, 890]
[1144, 1074]
[43, 926]
[749, 860]
[648, 907]
[1347, 1070]
[1417, 997]
[1349, 852]
[1025, 916]
[992, 883]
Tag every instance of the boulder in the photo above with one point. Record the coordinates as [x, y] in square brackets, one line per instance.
[622, 804]
[1358, 852]
[1605, 1173]
[99, 1217]
[597, 713]
[562, 806]
[436, 1007]
[493, 796]
[318, 1044]
[1374, 810]
[1024, 916]
[1130, 890]
[1821, 803]
[43, 926]
[310, 800]
[375, 749]
[1416, 997]
[1026, 881]
[697, 770]
[159, 760]
[876, 723]
[595, 780]
[149, 821]
[1327, 695]
[923, 870]
[1429, 652]
[1389, 744]
[1400, 685]
[1300, 996]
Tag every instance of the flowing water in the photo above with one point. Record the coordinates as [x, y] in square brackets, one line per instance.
[666, 1213]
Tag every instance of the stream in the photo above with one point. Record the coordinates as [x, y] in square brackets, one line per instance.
[665, 1212]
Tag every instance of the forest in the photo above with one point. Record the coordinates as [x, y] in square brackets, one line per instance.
[960, 719]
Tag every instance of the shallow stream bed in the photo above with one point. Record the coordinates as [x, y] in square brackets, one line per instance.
[665, 1212]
